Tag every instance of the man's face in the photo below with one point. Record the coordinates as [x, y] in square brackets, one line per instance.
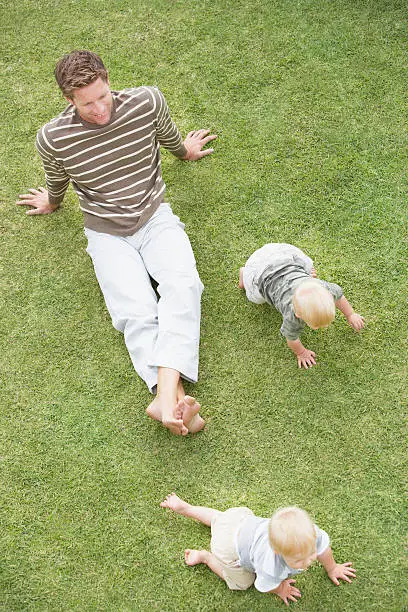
[93, 102]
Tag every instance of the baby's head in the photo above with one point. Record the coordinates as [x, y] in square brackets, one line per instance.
[292, 535]
[314, 304]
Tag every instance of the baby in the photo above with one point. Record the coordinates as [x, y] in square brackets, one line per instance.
[246, 549]
[283, 276]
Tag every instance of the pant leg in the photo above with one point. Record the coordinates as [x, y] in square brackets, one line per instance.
[129, 297]
[224, 529]
[167, 254]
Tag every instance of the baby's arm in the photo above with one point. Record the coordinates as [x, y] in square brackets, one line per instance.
[334, 570]
[355, 320]
[286, 591]
[305, 358]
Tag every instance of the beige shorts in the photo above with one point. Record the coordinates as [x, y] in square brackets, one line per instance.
[224, 529]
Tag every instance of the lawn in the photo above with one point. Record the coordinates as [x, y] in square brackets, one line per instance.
[308, 99]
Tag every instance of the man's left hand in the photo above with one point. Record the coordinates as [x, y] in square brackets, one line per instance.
[195, 141]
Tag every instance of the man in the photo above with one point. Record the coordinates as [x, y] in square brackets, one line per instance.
[107, 143]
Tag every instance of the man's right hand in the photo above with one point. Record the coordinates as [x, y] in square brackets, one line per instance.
[38, 199]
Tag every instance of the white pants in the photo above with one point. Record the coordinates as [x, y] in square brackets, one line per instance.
[162, 332]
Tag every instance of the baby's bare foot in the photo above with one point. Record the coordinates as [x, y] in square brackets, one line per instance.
[175, 503]
[190, 409]
[194, 557]
[241, 278]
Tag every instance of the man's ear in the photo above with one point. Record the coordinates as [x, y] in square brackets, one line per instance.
[69, 100]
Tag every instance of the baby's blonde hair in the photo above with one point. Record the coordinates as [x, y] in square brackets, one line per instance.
[291, 532]
[314, 304]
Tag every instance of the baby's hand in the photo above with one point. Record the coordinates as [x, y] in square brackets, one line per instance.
[344, 571]
[306, 359]
[356, 321]
[286, 591]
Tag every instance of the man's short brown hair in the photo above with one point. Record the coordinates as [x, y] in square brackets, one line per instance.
[77, 69]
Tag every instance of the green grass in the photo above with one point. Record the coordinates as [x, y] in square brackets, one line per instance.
[309, 101]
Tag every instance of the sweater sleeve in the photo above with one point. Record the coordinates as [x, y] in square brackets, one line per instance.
[56, 178]
[168, 134]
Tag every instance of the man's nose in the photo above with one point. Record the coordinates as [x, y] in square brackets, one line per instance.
[99, 108]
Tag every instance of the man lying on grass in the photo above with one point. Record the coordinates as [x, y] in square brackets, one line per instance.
[107, 143]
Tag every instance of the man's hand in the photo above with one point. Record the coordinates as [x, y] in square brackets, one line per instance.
[286, 591]
[38, 199]
[344, 571]
[356, 321]
[306, 359]
[195, 141]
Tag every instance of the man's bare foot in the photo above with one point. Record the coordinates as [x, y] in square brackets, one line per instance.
[194, 557]
[180, 390]
[241, 278]
[175, 503]
[173, 421]
[190, 409]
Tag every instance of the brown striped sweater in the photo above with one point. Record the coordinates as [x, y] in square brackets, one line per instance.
[115, 169]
